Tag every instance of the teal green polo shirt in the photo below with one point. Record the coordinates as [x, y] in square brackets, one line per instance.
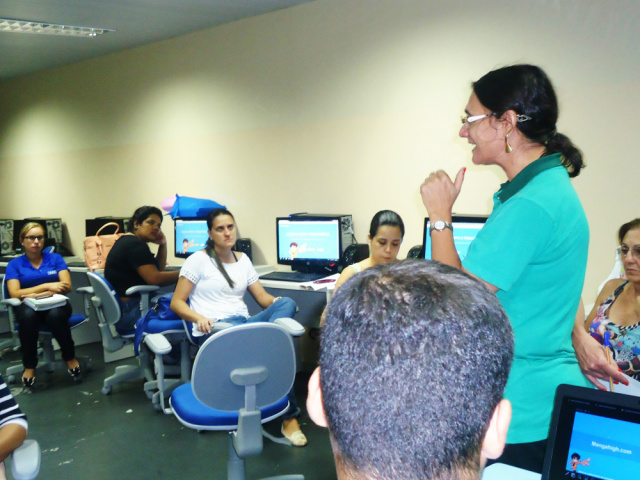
[533, 248]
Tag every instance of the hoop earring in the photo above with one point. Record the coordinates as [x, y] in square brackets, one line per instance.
[507, 147]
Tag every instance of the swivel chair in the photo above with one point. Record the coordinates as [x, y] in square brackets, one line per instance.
[107, 305]
[241, 377]
[13, 342]
[48, 362]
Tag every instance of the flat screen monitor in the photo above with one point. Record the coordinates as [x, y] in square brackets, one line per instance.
[190, 235]
[465, 229]
[309, 244]
[594, 435]
[52, 228]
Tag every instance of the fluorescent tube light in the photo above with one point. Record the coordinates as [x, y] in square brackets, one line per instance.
[26, 26]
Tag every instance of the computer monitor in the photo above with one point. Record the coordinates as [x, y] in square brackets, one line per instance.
[465, 229]
[190, 235]
[310, 244]
[52, 228]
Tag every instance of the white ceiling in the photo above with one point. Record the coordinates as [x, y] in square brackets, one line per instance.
[137, 22]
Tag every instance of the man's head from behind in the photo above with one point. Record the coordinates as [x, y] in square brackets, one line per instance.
[413, 363]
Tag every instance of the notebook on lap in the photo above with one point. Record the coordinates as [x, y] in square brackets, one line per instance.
[594, 435]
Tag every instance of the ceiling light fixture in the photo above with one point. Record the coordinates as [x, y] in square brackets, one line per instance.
[27, 26]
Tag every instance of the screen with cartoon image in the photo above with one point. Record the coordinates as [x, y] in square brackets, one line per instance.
[597, 438]
[191, 235]
[308, 240]
[604, 448]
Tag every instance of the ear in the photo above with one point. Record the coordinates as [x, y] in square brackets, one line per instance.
[510, 120]
[315, 408]
[496, 436]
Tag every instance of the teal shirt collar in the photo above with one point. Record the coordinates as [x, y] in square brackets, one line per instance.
[509, 188]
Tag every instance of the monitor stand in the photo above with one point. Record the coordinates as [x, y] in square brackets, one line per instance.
[321, 270]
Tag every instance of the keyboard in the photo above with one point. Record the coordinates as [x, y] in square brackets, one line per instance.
[76, 264]
[292, 276]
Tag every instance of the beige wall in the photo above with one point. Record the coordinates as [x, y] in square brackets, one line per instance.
[338, 106]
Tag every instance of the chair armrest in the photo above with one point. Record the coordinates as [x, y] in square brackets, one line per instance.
[85, 290]
[291, 326]
[144, 291]
[25, 460]
[157, 343]
[140, 289]
[12, 302]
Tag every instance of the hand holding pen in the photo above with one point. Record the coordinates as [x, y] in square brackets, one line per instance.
[607, 346]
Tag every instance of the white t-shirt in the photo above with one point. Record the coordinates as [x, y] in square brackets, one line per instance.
[212, 296]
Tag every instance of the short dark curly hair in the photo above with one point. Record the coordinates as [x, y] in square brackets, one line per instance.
[414, 358]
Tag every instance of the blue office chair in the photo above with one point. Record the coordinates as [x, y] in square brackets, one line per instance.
[13, 342]
[240, 380]
[107, 305]
[48, 362]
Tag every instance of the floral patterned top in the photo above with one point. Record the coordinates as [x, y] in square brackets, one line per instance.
[625, 340]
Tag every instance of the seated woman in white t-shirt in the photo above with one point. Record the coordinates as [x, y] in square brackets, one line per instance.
[214, 281]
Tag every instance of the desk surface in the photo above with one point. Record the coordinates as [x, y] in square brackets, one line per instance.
[283, 284]
[500, 471]
[77, 263]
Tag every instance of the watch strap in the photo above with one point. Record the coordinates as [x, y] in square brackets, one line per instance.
[448, 225]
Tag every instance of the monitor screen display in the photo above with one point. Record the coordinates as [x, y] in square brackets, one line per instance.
[465, 229]
[308, 242]
[595, 436]
[191, 235]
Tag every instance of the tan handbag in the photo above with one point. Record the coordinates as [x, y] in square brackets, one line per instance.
[97, 247]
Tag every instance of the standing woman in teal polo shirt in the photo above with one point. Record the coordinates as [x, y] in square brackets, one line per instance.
[532, 251]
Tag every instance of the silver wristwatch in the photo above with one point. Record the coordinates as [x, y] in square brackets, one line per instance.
[440, 225]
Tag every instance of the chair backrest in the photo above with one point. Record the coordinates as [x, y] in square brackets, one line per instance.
[259, 347]
[109, 300]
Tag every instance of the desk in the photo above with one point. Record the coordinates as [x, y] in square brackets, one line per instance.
[500, 471]
[310, 303]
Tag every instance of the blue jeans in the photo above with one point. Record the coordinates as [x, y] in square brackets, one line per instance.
[283, 308]
[130, 315]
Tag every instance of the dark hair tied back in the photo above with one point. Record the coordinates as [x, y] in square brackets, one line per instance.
[624, 229]
[210, 246]
[527, 90]
[141, 214]
[385, 217]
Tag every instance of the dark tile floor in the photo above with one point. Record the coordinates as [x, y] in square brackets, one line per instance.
[86, 435]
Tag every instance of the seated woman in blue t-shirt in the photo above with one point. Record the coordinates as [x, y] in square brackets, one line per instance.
[130, 261]
[36, 274]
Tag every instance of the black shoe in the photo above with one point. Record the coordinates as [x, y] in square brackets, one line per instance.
[76, 373]
[29, 382]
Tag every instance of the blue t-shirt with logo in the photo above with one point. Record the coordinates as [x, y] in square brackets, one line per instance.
[21, 269]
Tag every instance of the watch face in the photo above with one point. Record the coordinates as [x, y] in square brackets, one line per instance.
[439, 225]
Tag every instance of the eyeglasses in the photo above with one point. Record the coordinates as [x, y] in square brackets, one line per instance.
[468, 119]
[33, 238]
[623, 251]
